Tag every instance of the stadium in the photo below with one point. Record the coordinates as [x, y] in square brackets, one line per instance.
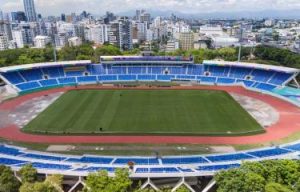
[148, 100]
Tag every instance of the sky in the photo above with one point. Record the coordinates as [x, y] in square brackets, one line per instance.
[56, 7]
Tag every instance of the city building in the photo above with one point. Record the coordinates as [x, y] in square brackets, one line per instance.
[141, 31]
[120, 34]
[224, 41]
[74, 41]
[5, 28]
[4, 44]
[269, 23]
[18, 16]
[60, 40]
[172, 45]
[114, 36]
[19, 38]
[30, 12]
[41, 41]
[97, 33]
[186, 40]
[211, 30]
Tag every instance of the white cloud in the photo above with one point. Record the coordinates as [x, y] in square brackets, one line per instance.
[48, 7]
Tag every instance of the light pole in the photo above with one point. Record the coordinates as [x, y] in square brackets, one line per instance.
[240, 51]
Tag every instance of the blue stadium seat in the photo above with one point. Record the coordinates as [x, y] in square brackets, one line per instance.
[95, 160]
[13, 77]
[135, 70]
[225, 80]
[96, 69]
[183, 160]
[28, 86]
[48, 83]
[295, 147]
[54, 72]
[218, 167]
[265, 87]
[96, 169]
[163, 170]
[87, 79]
[10, 151]
[67, 80]
[186, 77]
[74, 73]
[261, 75]
[50, 166]
[247, 83]
[137, 161]
[127, 77]
[165, 77]
[207, 79]
[195, 70]
[268, 152]
[44, 157]
[239, 73]
[146, 77]
[229, 157]
[32, 74]
[8, 161]
[280, 78]
[107, 78]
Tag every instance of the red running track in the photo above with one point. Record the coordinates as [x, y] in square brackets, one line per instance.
[289, 123]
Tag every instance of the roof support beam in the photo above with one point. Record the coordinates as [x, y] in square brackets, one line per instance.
[182, 182]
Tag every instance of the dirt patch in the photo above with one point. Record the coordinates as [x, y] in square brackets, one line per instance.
[31, 108]
[263, 113]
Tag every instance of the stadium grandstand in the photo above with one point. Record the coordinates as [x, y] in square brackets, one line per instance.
[270, 80]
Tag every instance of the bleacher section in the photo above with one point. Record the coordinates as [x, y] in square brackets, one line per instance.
[271, 79]
[30, 79]
[209, 164]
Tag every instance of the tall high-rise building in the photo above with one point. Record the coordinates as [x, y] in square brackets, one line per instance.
[30, 10]
[120, 34]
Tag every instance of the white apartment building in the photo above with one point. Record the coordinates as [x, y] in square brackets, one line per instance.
[67, 28]
[60, 40]
[41, 41]
[19, 38]
[74, 41]
[97, 33]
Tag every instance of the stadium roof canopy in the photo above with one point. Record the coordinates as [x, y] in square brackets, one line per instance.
[146, 60]
[41, 65]
[252, 65]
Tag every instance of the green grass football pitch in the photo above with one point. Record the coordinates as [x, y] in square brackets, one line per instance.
[166, 112]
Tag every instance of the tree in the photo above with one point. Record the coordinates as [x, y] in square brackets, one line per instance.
[97, 182]
[38, 187]
[8, 182]
[55, 181]
[28, 174]
[260, 176]
[276, 187]
[101, 182]
[183, 189]
[24, 59]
